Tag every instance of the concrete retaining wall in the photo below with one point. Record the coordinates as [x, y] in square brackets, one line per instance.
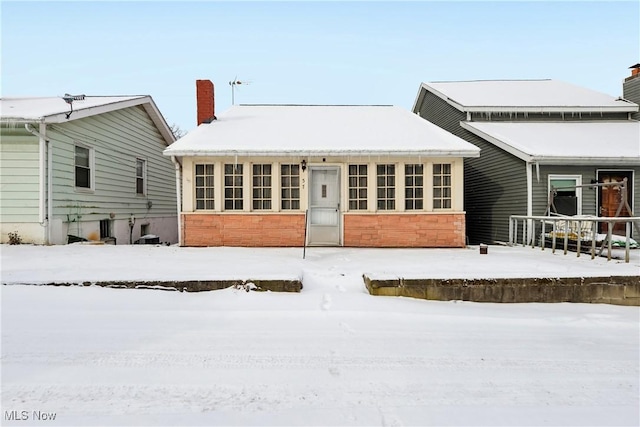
[619, 290]
[274, 285]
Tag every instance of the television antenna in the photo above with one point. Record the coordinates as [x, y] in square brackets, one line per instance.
[233, 84]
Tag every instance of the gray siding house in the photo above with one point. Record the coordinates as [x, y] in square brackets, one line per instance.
[85, 166]
[534, 135]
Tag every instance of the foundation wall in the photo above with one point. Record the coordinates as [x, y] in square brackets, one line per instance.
[446, 230]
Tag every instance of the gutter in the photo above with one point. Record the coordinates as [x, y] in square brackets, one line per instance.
[44, 203]
[328, 153]
[178, 167]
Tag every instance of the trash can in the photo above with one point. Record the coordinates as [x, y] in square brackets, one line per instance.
[484, 249]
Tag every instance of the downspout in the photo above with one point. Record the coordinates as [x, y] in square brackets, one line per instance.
[529, 166]
[178, 167]
[43, 168]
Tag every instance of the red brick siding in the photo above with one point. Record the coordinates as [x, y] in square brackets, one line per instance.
[252, 230]
[405, 230]
[277, 230]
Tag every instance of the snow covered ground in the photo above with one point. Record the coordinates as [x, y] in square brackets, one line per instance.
[330, 355]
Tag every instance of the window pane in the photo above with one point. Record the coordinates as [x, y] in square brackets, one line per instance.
[228, 169]
[362, 181]
[286, 204]
[209, 169]
[82, 156]
[295, 204]
[199, 169]
[200, 193]
[199, 204]
[353, 169]
[209, 204]
[83, 177]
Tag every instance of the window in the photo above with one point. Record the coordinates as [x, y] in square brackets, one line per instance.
[386, 187]
[83, 167]
[566, 197]
[141, 174]
[290, 184]
[357, 187]
[261, 187]
[413, 187]
[233, 187]
[105, 228]
[204, 187]
[442, 186]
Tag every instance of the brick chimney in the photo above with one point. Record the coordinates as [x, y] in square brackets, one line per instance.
[631, 88]
[635, 72]
[206, 104]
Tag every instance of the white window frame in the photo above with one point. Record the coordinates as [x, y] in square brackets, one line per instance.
[262, 187]
[441, 186]
[414, 187]
[143, 177]
[92, 168]
[238, 171]
[577, 178]
[386, 187]
[291, 200]
[358, 188]
[204, 187]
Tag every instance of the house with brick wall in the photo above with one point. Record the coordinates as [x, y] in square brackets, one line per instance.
[335, 175]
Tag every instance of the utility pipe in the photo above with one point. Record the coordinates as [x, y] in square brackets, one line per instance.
[178, 167]
[44, 202]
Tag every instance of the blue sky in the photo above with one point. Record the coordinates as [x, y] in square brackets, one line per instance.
[308, 52]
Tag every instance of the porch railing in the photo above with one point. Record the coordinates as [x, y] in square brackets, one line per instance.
[580, 232]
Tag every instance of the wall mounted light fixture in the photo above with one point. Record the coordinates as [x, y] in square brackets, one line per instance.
[304, 165]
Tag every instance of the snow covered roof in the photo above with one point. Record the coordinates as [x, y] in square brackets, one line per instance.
[320, 130]
[602, 142]
[56, 109]
[524, 95]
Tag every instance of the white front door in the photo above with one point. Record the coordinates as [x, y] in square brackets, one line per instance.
[324, 206]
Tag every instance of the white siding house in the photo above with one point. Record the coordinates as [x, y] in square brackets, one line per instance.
[89, 167]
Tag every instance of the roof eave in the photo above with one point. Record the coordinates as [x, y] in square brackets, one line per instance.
[92, 111]
[325, 153]
[532, 109]
[573, 160]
